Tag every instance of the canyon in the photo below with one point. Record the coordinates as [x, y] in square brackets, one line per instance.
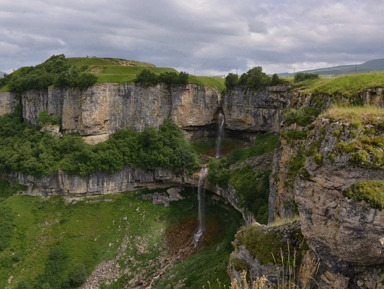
[340, 239]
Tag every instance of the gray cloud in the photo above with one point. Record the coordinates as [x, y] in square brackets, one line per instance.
[209, 37]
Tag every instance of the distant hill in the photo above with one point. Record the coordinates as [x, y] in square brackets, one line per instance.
[369, 66]
[1, 74]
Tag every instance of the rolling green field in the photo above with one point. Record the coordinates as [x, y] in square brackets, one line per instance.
[47, 234]
[347, 85]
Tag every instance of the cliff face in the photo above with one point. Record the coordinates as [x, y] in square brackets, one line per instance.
[345, 232]
[105, 108]
[128, 179]
[256, 110]
[8, 102]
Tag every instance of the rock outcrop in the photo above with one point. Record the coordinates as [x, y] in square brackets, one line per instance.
[256, 110]
[105, 108]
[128, 179]
[8, 102]
[347, 234]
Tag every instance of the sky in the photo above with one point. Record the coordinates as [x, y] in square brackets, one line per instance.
[202, 37]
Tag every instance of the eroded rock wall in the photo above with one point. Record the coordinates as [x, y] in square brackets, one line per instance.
[8, 102]
[256, 110]
[105, 108]
[128, 179]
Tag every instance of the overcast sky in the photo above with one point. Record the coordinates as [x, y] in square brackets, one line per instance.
[206, 37]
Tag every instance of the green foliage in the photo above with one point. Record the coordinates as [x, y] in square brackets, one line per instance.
[78, 275]
[231, 80]
[6, 226]
[54, 275]
[252, 188]
[347, 85]
[252, 191]
[294, 134]
[264, 244]
[254, 78]
[54, 71]
[91, 231]
[44, 118]
[148, 78]
[301, 76]
[302, 116]
[371, 191]
[25, 149]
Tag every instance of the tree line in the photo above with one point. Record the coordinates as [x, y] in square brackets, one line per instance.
[253, 79]
[25, 149]
[55, 71]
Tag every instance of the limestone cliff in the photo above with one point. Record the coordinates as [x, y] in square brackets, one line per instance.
[8, 102]
[256, 110]
[105, 108]
[128, 179]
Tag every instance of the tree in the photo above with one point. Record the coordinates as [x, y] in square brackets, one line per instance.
[301, 76]
[147, 78]
[231, 80]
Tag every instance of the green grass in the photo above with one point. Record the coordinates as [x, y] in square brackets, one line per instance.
[371, 191]
[115, 70]
[121, 70]
[208, 81]
[267, 243]
[208, 147]
[90, 231]
[355, 114]
[346, 85]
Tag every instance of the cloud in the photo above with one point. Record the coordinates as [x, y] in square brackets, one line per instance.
[215, 36]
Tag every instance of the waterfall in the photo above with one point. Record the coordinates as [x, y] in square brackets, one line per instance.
[220, 134]
[201, 198]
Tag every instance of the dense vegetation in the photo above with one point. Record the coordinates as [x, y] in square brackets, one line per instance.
[253, 79]
[55, 71]
[149, 78]
[25, 149]
[301, 76]
[84, 72]
[252, 185]
[55, 244]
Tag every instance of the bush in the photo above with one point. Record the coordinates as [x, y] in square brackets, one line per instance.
[301, 76]
[231, 80]
[54, 71]
[54, 274]
[44, 118]
[25, 149]
[6, 227]
[78, 275]
[147, 78]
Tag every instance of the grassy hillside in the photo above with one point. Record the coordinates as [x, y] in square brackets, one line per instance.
[122, 70]
[67, 72]
[347, 85]
[46, 234]
[114, 69]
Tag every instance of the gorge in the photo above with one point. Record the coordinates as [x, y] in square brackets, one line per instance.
[313, 176]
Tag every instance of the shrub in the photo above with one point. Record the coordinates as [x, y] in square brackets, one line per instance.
[26, 149]
[371, 191]
[301, 76]
[147, 78]
[44, 118]
[78, 275]
[6, 226]
[231, 80]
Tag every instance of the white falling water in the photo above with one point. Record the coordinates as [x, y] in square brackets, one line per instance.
[220, 135]
[201, 208]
